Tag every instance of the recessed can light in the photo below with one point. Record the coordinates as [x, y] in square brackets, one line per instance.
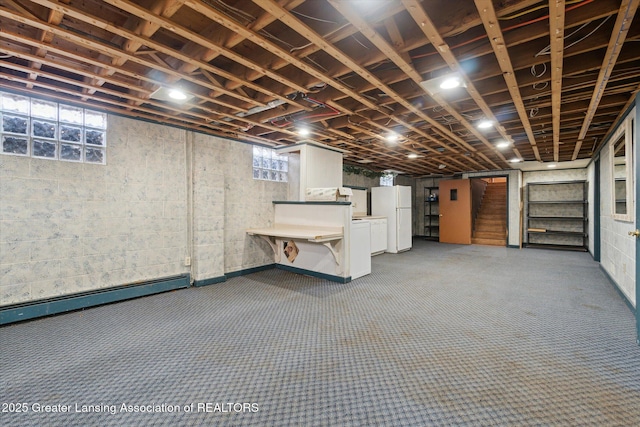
[392, 137]
[177, 94]
[450, 83]
[485, 124]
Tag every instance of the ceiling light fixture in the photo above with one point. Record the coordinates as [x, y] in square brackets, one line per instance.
[450, 83]
[485, 124]
[515, 160]
[412, 155]
[392, 137]
[502, 144]
[443, 83]
[304, 132]
[178, 95]
[552, 165]
[171, 95]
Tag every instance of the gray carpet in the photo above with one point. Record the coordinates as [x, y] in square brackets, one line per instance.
[440, 335]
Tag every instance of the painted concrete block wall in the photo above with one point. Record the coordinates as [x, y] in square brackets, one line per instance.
[71, 227]
[618, 249]
[359, 180]
[248, 204]
[208, 207]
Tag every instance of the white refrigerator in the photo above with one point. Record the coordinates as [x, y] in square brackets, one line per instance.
[394, 203]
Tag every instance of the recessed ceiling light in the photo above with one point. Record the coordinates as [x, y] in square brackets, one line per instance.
[450, 83]
[171, 95]
[412, 155]
[443, 83]
[503, 144]
[485, 124]
[304, 132]
[177, 95]
[392, 137]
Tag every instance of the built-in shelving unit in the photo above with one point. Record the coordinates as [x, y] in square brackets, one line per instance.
[431, 213]
[557, 215]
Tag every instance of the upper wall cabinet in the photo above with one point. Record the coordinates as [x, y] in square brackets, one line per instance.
[621, 159]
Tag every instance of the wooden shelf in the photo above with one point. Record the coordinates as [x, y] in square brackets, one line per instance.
[559, 232]
[552, 246]
[550, 202]
[559, 213]
[561, 218]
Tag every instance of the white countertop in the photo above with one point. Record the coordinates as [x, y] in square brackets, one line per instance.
[366, 217]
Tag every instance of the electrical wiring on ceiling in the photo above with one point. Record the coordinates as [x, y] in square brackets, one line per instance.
[353, 36]
[540, 85]
[239, 13]
[504, 30]
[534, 67]
[271, 36]
[290, 119]
[313, 18]
[547, 50]
[533, 9]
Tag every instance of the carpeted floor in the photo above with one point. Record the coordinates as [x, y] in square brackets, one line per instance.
[440, 335]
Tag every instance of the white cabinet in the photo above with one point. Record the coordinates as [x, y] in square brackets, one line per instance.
[378, 235]
[360, 249]
[312, 165]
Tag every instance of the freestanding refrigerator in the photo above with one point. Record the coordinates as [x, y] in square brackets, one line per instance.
[394, 203]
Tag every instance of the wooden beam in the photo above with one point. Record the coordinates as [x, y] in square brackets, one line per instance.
[414, 7]
[307, 32]
[556, 36]
[626, 14]
[78, 14]
[492, 27]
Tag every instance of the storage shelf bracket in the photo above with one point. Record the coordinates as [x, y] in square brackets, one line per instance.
[273, 242]
[335, 247]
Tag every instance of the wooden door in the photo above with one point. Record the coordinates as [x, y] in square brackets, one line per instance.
[455, 211]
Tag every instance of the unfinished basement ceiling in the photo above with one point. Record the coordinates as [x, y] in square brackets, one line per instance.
[553, 77]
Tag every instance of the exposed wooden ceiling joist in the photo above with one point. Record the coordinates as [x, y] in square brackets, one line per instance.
[258, 69]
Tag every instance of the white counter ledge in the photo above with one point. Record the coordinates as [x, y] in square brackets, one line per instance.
[310, 225]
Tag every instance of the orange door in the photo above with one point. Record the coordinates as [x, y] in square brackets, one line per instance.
[455, 211]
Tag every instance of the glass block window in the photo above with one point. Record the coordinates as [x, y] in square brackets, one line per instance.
[386, 180]
[48, 130]
[269, 165]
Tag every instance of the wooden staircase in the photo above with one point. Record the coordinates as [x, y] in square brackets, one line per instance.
[491, 223]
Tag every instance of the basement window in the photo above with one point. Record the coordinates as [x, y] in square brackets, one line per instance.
[386, 180]
[269, 165]
[32, 127]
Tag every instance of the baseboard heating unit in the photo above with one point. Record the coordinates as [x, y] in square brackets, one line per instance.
[62, 304]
